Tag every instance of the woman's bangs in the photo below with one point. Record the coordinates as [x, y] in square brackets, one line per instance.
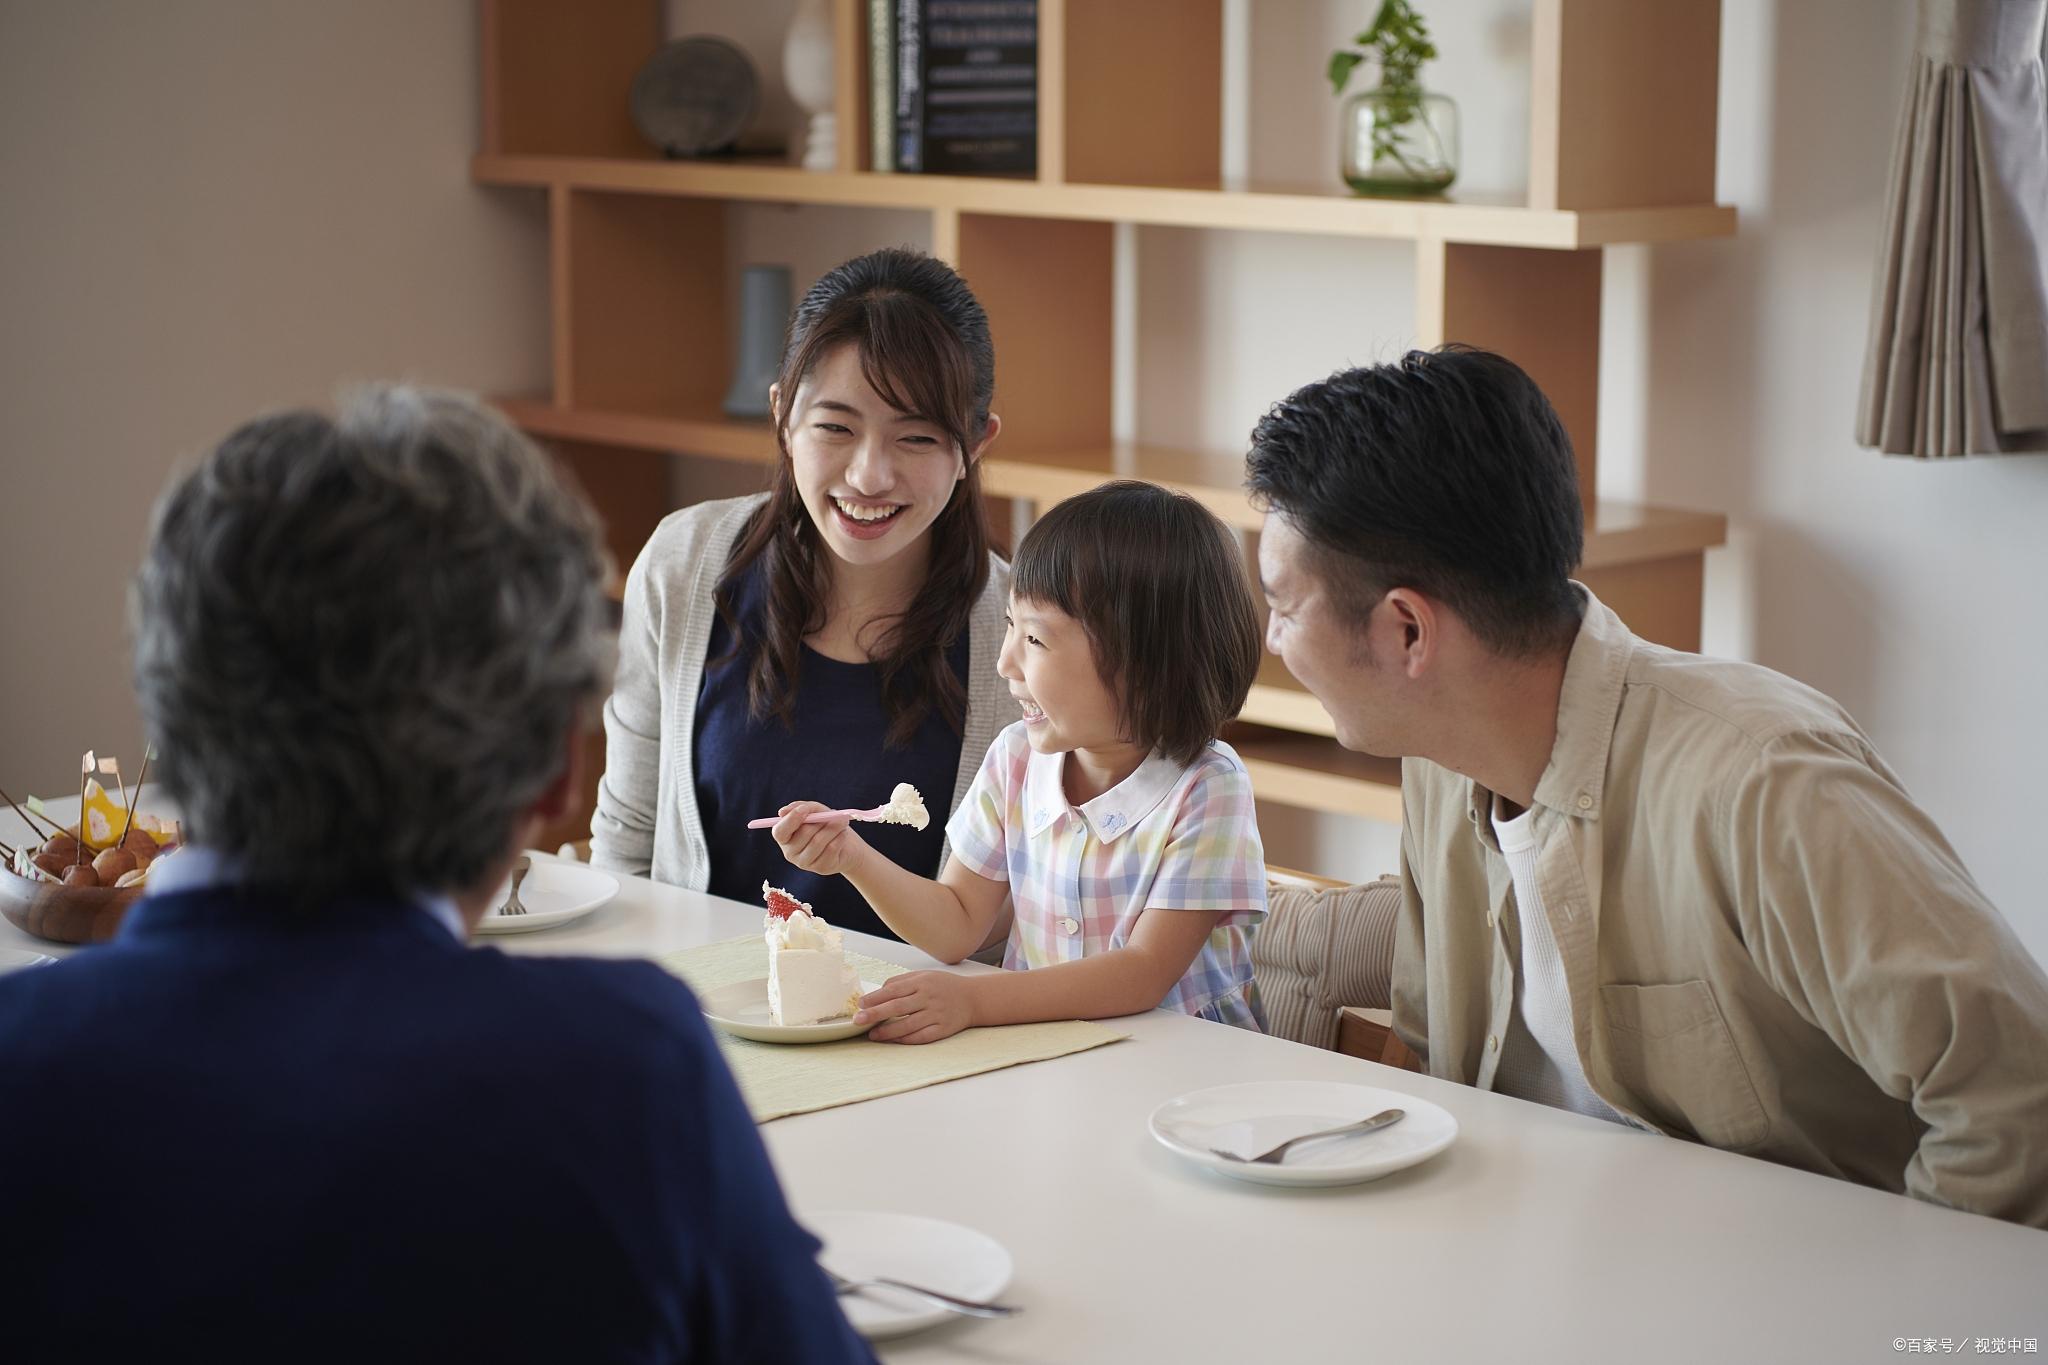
[916, 364]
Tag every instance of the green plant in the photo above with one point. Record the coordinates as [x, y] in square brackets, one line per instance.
[1399, 38]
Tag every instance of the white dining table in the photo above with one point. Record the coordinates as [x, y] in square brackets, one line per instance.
[1538, 1235]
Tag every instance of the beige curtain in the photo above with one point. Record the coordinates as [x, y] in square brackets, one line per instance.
[1958, 358]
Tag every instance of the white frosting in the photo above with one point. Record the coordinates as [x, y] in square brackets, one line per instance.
[905, 807]
[809, 979]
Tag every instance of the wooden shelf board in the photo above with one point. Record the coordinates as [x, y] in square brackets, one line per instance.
[1278, 700]
[709, 433]
[1317, 773]
[1634, 533]
[1309, 209]
[1214, 480]
[1619, 533]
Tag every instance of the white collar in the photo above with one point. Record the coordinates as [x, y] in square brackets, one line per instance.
[192, 868]
[1108, 815]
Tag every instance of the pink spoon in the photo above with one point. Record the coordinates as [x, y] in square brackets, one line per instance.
[819, 817]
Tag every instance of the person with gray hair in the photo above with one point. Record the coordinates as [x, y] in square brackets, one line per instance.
[318, 1125]
[362, 646]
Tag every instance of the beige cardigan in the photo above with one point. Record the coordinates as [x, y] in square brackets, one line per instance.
[646, 822]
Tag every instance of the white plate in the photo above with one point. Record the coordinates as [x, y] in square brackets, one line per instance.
[16, 959]
[741, 1009]
[928, 1251]
[1259, 1115]
[554, 892]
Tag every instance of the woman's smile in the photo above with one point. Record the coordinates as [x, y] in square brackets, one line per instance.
[865, 520]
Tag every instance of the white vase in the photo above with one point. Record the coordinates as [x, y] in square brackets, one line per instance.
[807, 69]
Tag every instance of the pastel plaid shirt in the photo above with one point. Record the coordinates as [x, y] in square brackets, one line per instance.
[1164, 838]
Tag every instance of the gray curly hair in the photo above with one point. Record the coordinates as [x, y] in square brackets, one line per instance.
[362, 642]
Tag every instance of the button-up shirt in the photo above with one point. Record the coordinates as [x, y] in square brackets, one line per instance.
[1767, 946]
[1165, 838]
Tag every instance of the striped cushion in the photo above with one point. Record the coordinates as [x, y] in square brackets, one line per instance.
[1320, 950]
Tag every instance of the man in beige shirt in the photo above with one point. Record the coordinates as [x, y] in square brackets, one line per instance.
[1675, 892]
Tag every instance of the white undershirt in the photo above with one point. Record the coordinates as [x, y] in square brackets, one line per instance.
[1540, 1059]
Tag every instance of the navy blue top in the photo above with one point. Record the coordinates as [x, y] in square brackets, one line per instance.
[242, 1134]
[835, 754]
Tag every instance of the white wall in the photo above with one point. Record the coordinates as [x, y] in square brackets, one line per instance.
[207, 210]
[225, 205]
[1908, 590]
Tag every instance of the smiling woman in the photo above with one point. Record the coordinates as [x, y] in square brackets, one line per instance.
[837, 635]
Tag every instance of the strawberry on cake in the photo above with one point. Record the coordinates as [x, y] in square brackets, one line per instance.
[809, 981]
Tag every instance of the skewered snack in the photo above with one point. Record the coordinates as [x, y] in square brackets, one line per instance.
[76, 884]
[61, 856]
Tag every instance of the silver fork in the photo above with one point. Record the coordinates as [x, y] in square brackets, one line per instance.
[519, 871]
[972, 1308]
[1273, 1155]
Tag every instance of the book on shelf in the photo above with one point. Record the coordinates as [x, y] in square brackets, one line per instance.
[909, 45]
[882, 85]
[966, 87]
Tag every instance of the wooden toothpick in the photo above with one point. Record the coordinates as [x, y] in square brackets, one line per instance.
[31, 821]
[85, 767]
[128, 819]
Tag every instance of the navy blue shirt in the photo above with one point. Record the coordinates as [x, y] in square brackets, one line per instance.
[836, 753]
[245, 1133]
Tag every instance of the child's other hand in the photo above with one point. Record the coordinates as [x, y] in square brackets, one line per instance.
[917, 1007]
[828, 848]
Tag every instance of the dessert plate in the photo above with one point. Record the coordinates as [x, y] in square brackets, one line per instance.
[554, 892]
[931, 1252]
[1258, 1115]
[19, 959]
[741, 1009]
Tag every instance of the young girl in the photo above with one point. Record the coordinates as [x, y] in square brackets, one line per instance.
[1112, 819]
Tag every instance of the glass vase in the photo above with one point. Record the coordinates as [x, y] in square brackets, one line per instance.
[1399, 141]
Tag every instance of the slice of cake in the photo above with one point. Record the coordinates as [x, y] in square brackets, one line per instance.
[809, 981]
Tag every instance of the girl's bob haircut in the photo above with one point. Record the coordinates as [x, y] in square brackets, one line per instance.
[1157, 582]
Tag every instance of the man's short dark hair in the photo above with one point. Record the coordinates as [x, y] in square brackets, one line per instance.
[1447, 472]
[1160, 586]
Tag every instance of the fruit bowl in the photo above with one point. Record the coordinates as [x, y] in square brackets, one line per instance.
[63, 914]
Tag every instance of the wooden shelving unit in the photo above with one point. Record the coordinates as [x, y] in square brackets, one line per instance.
[1622, 150]
[1311, 209]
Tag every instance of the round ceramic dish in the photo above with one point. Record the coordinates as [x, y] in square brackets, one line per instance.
[741, 1009]
[1250, 1117]
[929, 1251]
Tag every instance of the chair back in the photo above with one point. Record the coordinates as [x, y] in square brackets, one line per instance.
[1327, 945]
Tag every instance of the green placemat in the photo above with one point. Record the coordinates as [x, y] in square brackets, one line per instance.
[779, 1079]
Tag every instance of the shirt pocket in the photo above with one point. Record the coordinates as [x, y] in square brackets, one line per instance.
[1670, 1048]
